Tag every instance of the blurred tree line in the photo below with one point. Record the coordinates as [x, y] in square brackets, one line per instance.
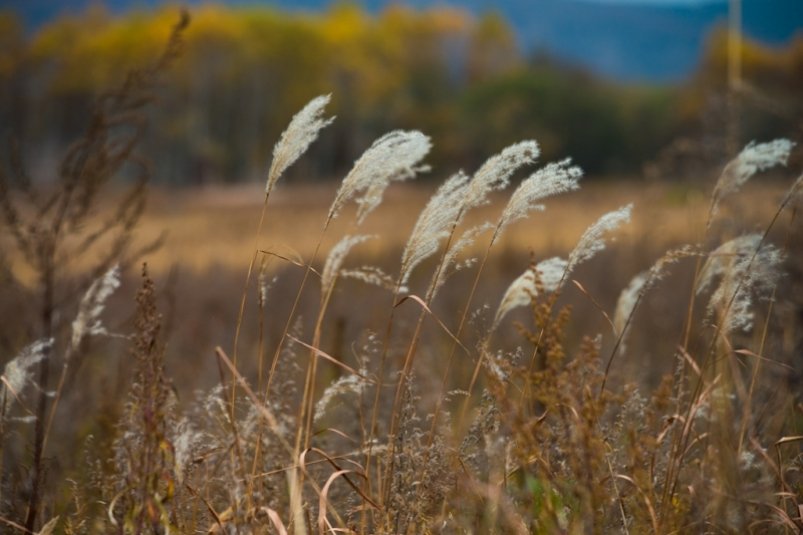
[460, 79]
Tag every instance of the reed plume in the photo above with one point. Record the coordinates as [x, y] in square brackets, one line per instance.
[17, 373]
[303, 129]
[745, 267]
[396, 156]
[87, 322]
[553, 179]
[753, 159]
[593, 239]
[434, 223]
[546, 276]
[334, 261]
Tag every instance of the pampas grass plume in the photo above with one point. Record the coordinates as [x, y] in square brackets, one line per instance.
[393, 157]
[553, 179]
[593, 239]
[546, 275]
[17, 374]
[334, 261]
[745, 267]
[434, 223]
[303, 129]
[641, 283]
[465, 241]
[87, 322]
[495, 173]
[753, 158]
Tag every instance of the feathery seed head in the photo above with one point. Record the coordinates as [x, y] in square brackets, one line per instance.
[627, 301]
[335, 260]
[372, 275]
[723, 257]
[435, 222]
[745, 268]
[641, 283]
[555, 178]
[87, 322]
[17, 372]
[593, 240]
[495, 173]
[449, 261]
[348, 384]
[185, 441]
[303, 129]
[753, 158]
[393, 157]
[546, 275]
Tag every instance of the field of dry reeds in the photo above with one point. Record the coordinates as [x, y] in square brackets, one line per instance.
[510, 351]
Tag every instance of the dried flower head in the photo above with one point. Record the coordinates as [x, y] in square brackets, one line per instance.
[335, 260]
[547, 276]
[554, 179]
[745, 267]
[753, 158]
[434, 223]
[87, 322]
[303, 129]
[393, 157]
[593, 240]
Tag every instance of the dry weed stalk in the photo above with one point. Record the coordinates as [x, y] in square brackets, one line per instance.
[54, 226]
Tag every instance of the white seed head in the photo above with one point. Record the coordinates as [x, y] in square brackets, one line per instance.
[303, 129]
[439, 216]
[627, 301]
[554, 179]
[17, 372]
[643, 282]
[335, 260]
[185, 441]
[372, 275]
[753, 159]
[744, 268]
[495, 173]
[396, 156]
[547, 274]
[593, 240]
[348, 384]
[719, 262]
[87, 321]
[449, 264]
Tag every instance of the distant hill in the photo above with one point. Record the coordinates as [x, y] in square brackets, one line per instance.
[627, 42]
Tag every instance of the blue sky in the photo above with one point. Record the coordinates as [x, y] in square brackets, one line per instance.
[659, 2]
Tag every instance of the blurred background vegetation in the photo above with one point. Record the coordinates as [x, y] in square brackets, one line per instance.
[458, 76]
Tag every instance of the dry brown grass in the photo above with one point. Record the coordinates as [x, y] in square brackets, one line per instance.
[214, 226]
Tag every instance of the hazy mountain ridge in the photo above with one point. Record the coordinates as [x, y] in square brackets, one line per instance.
[623, 41]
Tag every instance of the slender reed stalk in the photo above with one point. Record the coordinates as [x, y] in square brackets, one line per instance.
[681, 438]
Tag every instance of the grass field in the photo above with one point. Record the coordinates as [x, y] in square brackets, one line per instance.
[623, 442]
[450, 358]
